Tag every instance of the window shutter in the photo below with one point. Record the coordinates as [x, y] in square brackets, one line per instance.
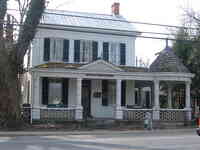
[106, 51]
[95, 50]
[123, 93]
[136, 97]
[105, 92]
[45, 90]
[46, 49]
[122, 54]
[65, 91]
[76, 50]
[65, 50]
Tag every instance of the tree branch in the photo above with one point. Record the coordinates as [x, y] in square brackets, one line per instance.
[28, 29]
[3, 9]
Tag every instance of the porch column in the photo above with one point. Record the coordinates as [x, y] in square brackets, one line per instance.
[79, 108]
[35, 94]
[169, 96]
[188, 101]
[118, 112]
[156, 108]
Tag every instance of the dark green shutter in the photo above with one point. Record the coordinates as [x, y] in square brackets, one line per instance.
[95, 50]
[46, 49]
[106, 51]
[122, 54]
[45, 90]
[123, 93]
[105, 92]
[65, 91]
[136, 97]
[76, 50]
[65, 50]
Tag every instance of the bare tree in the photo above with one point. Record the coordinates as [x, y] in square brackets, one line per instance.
[11, 58]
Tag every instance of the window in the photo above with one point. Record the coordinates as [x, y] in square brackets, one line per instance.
[54, 91]
[85, 50]
[56, 49]
[114, 52]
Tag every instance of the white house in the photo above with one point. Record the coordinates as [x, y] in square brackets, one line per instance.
[83, 65]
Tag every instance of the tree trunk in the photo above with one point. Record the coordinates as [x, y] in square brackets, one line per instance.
[11, 62]
[10, 93]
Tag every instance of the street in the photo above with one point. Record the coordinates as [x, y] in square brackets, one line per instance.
[148, 140]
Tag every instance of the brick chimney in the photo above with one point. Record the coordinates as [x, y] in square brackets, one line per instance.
[115, 8]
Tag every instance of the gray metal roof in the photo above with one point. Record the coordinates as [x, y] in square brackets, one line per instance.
[89, 20]
[167, 61]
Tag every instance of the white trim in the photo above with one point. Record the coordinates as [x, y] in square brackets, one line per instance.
[142, 76]
[101, 62]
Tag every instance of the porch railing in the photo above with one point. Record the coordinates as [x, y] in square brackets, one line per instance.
[135, 114]
[57, 114]
[165, 114]
[48, 114]
[172, 114]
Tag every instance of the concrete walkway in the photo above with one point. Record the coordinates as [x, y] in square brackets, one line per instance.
[96, 132]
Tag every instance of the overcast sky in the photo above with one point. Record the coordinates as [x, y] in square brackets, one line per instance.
[153, 11]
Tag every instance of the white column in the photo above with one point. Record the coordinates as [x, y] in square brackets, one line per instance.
[118, 112]
[35, 92]
[79, 108]
[71, 51]
[187, 100]
[169, 96]
[156, 112]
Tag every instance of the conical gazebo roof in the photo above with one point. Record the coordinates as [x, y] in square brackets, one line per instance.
[167, 61]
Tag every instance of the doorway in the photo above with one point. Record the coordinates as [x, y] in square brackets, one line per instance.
[86, 98]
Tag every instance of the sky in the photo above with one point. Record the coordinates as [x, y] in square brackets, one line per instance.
[152, 11]
[168, 12]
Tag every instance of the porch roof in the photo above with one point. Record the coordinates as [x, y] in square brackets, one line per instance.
[77, 66]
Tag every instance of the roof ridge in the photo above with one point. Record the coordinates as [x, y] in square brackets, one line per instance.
[81, 12]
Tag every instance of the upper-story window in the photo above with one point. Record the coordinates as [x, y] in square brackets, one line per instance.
[85, 50]
[56, 49]
[114, 52]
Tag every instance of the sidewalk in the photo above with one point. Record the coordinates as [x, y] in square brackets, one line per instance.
[95, 132]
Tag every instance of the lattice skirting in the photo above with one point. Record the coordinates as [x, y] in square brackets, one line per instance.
[172, 115]
[58, 115]
[137, 115]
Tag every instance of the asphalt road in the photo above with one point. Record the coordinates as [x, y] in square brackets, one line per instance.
[105, 141]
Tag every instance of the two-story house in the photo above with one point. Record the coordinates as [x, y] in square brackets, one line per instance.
[83, 65]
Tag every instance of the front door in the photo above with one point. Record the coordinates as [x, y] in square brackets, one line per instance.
[86, 98]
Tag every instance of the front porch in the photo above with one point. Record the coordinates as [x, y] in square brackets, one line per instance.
[111, 93]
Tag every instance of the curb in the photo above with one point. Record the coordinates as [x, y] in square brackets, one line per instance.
[96, 132]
